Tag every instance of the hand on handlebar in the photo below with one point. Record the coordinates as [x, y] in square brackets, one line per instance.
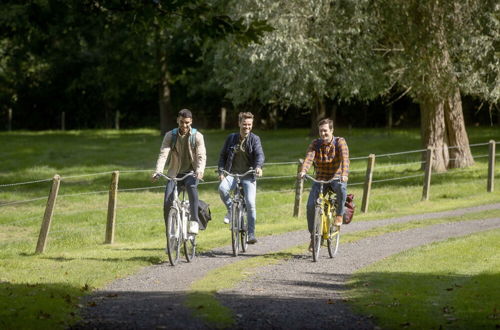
[154, 177]
[258, 172]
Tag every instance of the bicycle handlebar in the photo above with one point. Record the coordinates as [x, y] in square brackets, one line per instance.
[238, 175]
[175, 179]
[320, 181]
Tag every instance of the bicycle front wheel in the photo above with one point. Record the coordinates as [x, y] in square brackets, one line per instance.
[317, 234]
[243, 230]
[190, 247]
[235, 228]
[333, 240]
[173, 237]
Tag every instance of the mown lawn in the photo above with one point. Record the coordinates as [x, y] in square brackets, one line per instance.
[42, 290]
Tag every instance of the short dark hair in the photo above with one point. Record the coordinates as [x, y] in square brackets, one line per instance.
[185, 113]
[325, 121]
[244, 115]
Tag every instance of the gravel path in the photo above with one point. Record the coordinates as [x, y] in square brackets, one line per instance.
[280, 296]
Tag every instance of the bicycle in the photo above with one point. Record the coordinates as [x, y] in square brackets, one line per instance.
[239, 226]
[177, 225]
[324, 227]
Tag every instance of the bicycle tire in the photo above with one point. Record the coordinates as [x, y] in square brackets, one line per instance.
[333, 240]
[173, 237]
[243, 230]
[190, 247]
[317, 233]
[235, 228]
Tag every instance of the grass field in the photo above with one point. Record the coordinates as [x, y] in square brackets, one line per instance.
[43, 290]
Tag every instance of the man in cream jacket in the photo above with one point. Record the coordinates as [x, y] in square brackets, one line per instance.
[183, 150]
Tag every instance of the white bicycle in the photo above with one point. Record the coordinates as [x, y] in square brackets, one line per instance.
[177, 222]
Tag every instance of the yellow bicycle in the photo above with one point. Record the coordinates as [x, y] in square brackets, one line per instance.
[324, 215]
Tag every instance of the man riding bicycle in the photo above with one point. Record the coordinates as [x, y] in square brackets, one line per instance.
[183, 150]
[240, 152]
[330, 156]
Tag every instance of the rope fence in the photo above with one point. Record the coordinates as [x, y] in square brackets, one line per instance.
[113, 191]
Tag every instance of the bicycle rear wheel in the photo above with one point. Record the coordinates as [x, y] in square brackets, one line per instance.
[243, 230]
[173, 236]
[333, 240]
[190, 247]
[235, 228]
[317, 233]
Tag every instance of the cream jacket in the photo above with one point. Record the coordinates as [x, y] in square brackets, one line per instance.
[197, 154]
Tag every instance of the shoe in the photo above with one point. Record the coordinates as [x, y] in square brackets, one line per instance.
[311, 246]
[338, 220]
[251, 239]
[227, 218]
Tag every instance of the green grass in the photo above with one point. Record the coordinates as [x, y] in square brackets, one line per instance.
[76, 258]
[448, 285]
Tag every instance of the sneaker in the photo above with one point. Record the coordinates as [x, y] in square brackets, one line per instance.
[338, 220]
[227, 218]
[251, 239]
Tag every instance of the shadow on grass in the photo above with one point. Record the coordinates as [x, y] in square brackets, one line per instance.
[38, 306]
[154, 260]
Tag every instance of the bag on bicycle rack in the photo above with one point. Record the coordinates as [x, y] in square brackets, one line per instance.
[204, 214]
[349, 209]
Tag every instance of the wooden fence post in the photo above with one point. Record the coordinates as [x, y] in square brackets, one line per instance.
[63, 121]
[47, 217]
[9, 120]
[113, 191]
[491, 167]
[428, 173]
[299, 188]
[223, 118]
[368, 183]
[117, 119]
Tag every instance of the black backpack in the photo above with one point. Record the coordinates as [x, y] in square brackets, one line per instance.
[204, 214]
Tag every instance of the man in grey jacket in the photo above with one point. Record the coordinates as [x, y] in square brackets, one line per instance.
[183, 150]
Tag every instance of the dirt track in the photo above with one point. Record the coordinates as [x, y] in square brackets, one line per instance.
[287, 295]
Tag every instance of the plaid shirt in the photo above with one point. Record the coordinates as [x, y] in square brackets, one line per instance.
[328, 161]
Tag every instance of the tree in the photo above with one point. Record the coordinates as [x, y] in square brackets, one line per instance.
[432, 49]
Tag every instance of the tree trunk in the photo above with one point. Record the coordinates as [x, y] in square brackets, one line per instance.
[460, 154]
[164, 97]
[434, 135]
[317, 113]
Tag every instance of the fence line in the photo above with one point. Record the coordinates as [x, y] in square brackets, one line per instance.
[23, 201]
[24, 183]
[399, 178]
[84, 175]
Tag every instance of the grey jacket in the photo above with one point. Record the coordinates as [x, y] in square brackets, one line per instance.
[197, 154]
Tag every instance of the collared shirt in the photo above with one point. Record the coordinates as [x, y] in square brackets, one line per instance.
[329, 162]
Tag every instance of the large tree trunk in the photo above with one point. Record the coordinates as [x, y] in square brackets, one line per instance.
[164, 97]
[434, 132]
[460, 154]
[317, 113]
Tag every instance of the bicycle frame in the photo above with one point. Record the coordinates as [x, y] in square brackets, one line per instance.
[180, 236]
[325, 207]
[238, 230]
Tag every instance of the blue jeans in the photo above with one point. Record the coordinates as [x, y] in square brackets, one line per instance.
[340, 189]
[191, 185]
[250, 190]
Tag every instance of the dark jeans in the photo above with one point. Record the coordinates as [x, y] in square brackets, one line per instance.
[190, 184]
[340, 189]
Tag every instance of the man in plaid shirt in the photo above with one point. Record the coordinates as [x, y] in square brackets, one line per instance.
[330, 156]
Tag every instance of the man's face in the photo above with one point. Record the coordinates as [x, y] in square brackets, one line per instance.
[184, 124]
[246, 126]
[325, 132]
